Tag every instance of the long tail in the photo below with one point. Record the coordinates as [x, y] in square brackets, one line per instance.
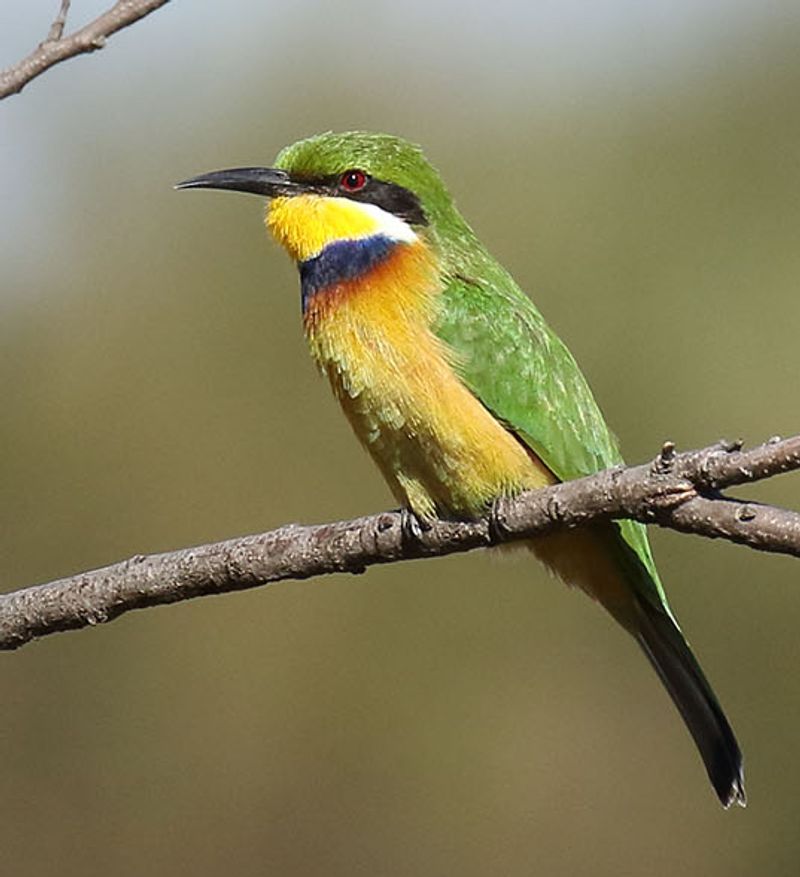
[677, 667]
[593, 559]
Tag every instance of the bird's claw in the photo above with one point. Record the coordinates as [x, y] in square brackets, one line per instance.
[498, 529]
[413, 526]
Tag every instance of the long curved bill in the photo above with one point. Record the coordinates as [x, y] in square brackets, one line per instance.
[267, 181]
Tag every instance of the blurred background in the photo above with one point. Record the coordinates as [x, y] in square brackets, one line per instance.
[637, 168]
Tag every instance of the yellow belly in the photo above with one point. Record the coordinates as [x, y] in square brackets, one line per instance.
[438, 447]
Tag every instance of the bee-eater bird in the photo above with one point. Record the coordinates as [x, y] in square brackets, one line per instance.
[455, 384]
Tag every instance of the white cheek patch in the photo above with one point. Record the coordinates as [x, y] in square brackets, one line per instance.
[386, 224]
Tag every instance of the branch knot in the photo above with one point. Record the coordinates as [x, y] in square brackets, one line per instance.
[665, 461]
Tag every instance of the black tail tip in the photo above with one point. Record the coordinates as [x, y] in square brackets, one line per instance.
[729, 784]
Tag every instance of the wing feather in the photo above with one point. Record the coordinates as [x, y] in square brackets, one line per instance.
[523, 373]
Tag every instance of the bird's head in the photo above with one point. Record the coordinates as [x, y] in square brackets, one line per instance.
[350, 186]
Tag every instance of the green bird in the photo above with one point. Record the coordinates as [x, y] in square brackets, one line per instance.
[455, 384]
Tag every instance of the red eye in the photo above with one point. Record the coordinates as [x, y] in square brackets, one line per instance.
[353, 181]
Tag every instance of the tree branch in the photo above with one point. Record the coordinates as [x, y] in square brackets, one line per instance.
[679, 491]
[57, 47]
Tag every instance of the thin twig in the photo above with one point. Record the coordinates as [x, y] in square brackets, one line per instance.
[679, 491]
[57, 27]
[57, 47]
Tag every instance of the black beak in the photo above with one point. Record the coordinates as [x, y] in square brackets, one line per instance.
[258, 180]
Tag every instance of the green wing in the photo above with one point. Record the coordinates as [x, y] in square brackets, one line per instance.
[523, 373]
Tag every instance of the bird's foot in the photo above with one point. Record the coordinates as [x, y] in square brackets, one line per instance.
[498, 528]
[413, 526]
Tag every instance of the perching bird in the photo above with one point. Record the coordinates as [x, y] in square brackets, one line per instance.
[454, 383]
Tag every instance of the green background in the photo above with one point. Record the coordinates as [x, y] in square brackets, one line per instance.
[637, 166]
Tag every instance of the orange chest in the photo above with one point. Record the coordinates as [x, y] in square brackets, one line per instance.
[436, 444]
